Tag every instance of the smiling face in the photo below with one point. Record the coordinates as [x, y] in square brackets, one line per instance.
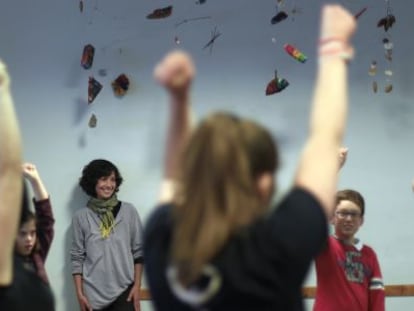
[105, 186]
[26, 238]
[347, 220]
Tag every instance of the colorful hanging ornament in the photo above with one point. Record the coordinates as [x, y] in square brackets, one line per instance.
[373, 68]
[87, 56]
[388, 46]
[160, 13]
[92, 121]
[276, 85]
[388, 88]
[375, 86]
[120, 85]
[94, 87]
[388, 21]
[280, 16]
[295, 53]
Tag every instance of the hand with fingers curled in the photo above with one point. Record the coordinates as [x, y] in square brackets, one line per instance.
[30, 171]
[175, 72]
[337, 28]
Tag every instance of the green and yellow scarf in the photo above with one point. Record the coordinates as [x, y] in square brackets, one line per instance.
[104, 210]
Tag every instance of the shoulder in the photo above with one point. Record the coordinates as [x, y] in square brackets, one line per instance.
[369, 250]
[300, 204]
[129, 208]
[160, 219]
[80, 214]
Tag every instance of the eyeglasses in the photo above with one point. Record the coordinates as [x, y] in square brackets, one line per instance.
[343, 214]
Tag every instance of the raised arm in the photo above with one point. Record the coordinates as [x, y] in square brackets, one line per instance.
[318, 167]
[175, 72]
[44, 213]
[31, 173]
[10, 177]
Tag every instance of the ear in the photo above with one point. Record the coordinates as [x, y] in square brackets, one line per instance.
[265, 186]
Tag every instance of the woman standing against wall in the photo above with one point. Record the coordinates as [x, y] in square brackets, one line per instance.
[106, 249]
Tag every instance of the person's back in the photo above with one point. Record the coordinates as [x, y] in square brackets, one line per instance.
[26, 292]
[213, 243]
[260, 268]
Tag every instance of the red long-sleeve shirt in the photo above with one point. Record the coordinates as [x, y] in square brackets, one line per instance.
[348, 278]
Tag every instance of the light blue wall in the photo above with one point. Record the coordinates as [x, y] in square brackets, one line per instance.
[42, 43]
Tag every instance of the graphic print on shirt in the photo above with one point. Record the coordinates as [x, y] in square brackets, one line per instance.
[353, 267]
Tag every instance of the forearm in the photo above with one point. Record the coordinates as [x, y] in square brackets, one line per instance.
[329, 109]
[178, 132]
[39, 189]
[138, 267]
[77, 278]
[10, 181]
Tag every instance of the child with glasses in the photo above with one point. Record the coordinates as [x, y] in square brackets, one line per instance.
[348, 273]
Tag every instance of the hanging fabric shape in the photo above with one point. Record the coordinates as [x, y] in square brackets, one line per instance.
[81, 6]
[388, 88]
[120, 85]
[387, 22]
[94, 87]
[375, 86]
[295, 53]
[282, 15]
[388, 46]
[373, 68]
[92, 121]
[160, 13]
[276, 85]
[87, 56]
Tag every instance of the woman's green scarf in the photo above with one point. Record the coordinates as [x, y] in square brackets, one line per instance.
[104, 210]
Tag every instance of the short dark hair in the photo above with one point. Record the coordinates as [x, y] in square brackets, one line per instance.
[93, 171]
[353, 196]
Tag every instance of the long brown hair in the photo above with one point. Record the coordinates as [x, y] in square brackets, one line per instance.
[217, 194]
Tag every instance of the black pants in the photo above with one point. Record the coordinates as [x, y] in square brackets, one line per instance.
[121, 303]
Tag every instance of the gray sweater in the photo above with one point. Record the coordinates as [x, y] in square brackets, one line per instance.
[107, 265]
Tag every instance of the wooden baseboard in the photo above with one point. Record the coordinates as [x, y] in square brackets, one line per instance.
[401, 290]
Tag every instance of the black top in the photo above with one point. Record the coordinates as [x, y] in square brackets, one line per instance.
[261, 268]
[27, 291]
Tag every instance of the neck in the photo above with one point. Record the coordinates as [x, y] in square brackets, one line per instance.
[347, 240]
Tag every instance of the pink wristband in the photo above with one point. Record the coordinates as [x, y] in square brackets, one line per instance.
[334, 47]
